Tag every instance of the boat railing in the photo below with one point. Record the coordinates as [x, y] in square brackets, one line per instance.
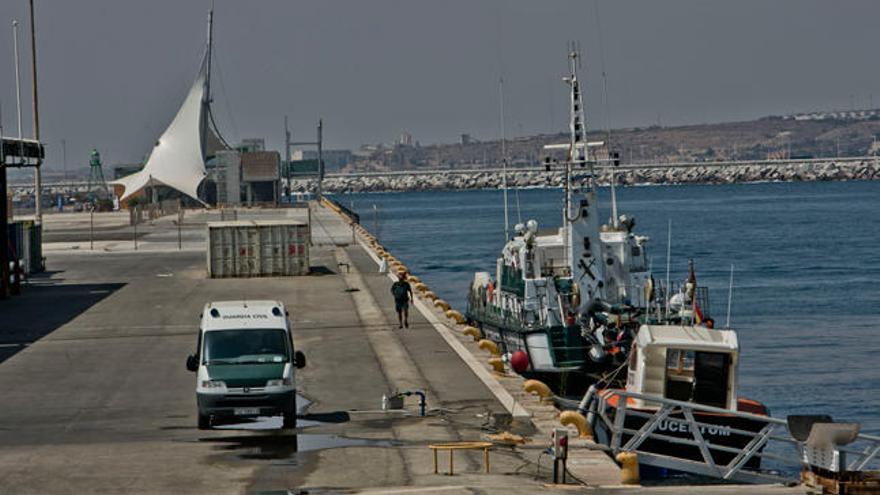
[768, 439]
[662, 294]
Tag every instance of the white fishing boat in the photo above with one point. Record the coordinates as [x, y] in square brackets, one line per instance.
[564, 304]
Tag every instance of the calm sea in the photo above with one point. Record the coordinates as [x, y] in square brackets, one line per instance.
[805, 256]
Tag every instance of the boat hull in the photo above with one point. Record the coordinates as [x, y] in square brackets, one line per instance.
[718, 429]
[558, 357]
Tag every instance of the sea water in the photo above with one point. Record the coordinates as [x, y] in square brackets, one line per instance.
[805, 257]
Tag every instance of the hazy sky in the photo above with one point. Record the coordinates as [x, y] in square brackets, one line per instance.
[112, 73]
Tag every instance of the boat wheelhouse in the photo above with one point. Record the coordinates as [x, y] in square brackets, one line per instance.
[674, 364]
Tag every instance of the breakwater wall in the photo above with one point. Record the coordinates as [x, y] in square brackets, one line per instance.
[813, 170]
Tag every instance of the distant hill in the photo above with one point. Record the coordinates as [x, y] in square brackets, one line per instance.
[808, 136]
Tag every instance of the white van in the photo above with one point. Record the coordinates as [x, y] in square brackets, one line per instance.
[245, 362]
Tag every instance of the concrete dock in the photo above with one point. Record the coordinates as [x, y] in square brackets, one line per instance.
[97, 398]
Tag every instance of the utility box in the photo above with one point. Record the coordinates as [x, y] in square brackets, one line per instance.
[26, 245]
[255, 248]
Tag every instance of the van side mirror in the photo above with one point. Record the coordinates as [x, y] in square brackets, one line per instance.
[299, 359]
[192, 363]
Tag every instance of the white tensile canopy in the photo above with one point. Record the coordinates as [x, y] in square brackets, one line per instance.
[178, 160]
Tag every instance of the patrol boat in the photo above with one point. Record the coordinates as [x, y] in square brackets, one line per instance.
[563, 305]
[688, 363]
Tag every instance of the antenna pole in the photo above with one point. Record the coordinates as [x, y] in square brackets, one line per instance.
[504, 162]
[287, 158]
[320, 158]
[729, 297]
[668, 264]
[614, 215]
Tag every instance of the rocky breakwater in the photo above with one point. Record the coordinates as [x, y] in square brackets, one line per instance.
[788, 171]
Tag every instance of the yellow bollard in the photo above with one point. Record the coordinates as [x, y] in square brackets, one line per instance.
[430, 295]
[576, 419]
[455, 315]
[629, 468]
[420, 287]
[473, 332]
[538, 388]
[488, 345]
[497, 364]
[440, 303]
[415, 280]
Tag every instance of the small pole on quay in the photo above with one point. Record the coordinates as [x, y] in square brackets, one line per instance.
[179, 221]
[92, 228]
[136, 212]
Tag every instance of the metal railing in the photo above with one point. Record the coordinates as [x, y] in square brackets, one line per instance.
[636, 430]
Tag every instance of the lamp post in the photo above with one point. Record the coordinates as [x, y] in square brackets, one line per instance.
[38, 212]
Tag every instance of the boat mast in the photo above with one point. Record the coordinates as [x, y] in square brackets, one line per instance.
[504, 161]
[573, 132]
[582, 244]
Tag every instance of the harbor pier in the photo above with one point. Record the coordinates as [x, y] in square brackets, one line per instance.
[97, 397]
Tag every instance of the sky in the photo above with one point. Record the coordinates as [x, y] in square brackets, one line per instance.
[112, 73]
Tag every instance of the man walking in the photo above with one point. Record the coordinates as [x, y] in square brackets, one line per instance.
[403, 294]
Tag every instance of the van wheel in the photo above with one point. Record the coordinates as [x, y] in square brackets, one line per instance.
[204, 421]
[289, 420]
[290, 416]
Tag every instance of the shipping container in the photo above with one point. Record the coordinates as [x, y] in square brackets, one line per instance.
[250, 248]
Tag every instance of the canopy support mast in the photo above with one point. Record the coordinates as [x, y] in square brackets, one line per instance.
[206, 99]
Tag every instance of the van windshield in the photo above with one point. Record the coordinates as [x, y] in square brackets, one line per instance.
[246, 346]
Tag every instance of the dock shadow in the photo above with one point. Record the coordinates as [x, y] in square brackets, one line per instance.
[320, 271]
[42, 308]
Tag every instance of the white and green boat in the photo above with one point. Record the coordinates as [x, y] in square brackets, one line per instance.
[564, 304]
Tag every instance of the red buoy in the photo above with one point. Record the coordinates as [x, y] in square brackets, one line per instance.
[519, 361]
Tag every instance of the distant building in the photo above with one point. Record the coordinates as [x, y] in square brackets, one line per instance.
[333, 159]
[226, 175]
[124, 169]
[466, 139]
[260, 176]
[249, 177]
[837, 115]
[252, 145]
[405, 139]
[366, 150]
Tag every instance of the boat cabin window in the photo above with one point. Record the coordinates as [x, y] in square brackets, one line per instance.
[637, 259]
[701, 377]
[552, 261]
